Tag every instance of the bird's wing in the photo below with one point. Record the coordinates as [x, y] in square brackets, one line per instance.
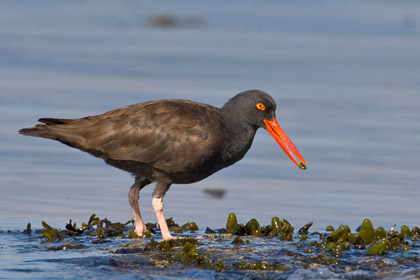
[165, 133]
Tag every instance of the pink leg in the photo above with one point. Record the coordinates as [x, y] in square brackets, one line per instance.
[157, 203]
[133, 198]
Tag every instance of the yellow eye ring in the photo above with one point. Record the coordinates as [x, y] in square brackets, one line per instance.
[260, 106]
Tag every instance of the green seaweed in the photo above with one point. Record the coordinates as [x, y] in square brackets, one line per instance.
[253, 227]
[286, 230]
[415, 231]
[405, 231]
[191, 226]
[67, 246]
[379, 247]
[238, 241]
[366, 231]
[232, 221]
[330, 245]
[217, 249]
[49, 232]
[335, 235]
[183, 250]
[170, 222]
[330, 228]
[176, 229]
[275, 225]
[380, 232]
[304, 230]
[28, 229]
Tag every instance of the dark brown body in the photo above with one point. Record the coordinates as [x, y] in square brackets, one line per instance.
[176, 140]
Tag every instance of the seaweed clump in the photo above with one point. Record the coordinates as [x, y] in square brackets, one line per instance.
[186, 251]
[373, 241]
[331, 245]
[249, 246]
[180, 250]
[281, 228]
[95, 227]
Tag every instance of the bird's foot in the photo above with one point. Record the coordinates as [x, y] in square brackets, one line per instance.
[140, 231]
[167, 237]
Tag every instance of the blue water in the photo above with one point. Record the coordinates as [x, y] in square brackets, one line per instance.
[345, 76]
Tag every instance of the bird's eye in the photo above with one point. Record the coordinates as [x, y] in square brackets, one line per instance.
[260, 106]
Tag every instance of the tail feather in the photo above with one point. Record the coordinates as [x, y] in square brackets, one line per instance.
[54, 121]
[60, 130]
[37, 131]
[43, 130]
[40, 130]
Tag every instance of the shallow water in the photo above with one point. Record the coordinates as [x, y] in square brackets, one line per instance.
[344, 75]
[214, 256]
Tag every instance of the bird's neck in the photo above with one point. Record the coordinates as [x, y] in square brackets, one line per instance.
[238, 137]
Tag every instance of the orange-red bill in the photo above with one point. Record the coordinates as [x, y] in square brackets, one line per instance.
[285, 143]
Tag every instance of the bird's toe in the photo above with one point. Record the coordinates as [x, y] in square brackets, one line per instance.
[167, 237]
[140, 231]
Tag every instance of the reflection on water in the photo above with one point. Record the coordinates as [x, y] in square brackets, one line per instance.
[345, 80]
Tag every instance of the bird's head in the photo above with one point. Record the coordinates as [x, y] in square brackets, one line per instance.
[256, 109]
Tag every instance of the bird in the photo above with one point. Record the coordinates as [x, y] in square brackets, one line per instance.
[170, 141]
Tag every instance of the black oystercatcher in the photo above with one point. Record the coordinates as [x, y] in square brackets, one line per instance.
[170, 141]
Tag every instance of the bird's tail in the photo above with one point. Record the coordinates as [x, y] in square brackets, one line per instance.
[41, 130]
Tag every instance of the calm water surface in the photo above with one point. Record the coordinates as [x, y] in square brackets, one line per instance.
[345, 77]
